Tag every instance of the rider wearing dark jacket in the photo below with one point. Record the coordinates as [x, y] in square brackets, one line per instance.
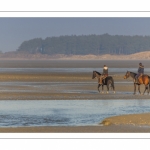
[140, 72]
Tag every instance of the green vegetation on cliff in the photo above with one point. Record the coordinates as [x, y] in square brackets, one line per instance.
[87, 44]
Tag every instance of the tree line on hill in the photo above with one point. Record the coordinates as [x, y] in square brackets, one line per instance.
[87, 44]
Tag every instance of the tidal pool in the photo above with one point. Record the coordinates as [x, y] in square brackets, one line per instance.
[15, 113]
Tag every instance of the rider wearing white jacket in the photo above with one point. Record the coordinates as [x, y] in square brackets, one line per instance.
[104, 74]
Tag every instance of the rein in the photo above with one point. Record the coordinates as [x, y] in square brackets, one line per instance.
[97, 74]
[131, 74]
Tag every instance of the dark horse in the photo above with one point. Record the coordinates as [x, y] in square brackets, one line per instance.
[108, 81]
[144, 79]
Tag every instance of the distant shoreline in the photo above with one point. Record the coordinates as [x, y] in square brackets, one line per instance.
[38, 56]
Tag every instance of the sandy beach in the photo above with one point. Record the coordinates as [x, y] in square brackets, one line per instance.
[71, 86]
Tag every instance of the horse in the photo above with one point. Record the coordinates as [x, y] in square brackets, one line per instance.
[108, 81]
[144, 79]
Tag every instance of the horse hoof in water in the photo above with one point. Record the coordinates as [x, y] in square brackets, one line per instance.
[114, 92]
[107, 92]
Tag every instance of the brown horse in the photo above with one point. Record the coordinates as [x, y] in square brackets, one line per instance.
[144, 79]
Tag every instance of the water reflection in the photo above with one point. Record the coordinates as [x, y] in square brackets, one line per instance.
[65, 112]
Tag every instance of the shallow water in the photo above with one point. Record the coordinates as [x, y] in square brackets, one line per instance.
[15, 113]
[56, 87]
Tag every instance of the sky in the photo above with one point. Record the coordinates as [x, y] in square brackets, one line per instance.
[15, 30]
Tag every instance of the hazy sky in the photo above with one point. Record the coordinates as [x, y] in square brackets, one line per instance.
[13, 31]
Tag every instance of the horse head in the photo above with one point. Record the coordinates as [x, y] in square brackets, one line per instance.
[94, 74]
[127, 75]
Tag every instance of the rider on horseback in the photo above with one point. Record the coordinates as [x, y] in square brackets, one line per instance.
[140, 72]
[104, 75]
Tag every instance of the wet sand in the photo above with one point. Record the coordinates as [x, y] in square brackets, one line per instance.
[63, 86]
[79, 129]
[133, 119]
[70, 86]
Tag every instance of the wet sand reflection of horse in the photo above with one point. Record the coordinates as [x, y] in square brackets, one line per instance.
[144, 79]
[109, 81]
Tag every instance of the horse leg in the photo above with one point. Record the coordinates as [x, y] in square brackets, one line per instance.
[107, 87]
[98, 87]
[102, 88]
[146, 88]
[112, 85]
[134, 88]
[139, 89]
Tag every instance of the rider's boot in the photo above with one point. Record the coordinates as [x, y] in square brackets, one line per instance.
[100, 80]
[136, 80]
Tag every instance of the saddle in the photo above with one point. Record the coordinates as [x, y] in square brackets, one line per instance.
[140, 75]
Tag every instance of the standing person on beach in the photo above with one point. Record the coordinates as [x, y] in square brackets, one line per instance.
[104, 74]
[140, 72]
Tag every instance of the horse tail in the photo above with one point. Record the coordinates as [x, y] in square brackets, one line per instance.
[149, 79]
[112, 84]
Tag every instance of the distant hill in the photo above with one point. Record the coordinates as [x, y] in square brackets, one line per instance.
[38, 56]
[87, 44]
